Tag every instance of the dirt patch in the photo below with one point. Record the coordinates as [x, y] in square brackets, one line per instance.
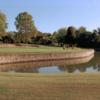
[18, 45]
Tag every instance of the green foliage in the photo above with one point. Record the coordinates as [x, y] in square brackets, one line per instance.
[3, 23]
[59, 36]
[26, 27]
[8, 37]
[82, 30]
[71, 35]
[24, 23]
[84, 39]
[28, 33]
[22, 38]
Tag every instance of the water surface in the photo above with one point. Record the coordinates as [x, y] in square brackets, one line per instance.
[68, 66]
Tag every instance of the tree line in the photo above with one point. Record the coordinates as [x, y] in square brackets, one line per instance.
[26, 32]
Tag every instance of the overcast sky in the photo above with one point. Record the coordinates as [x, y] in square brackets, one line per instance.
[50, 15]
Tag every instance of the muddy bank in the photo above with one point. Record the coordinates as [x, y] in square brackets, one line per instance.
[14, 58]
[34, 66]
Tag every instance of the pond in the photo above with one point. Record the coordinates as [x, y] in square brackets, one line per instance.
[67, 66]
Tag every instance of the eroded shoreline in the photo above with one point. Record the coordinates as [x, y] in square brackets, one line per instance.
[28, 57]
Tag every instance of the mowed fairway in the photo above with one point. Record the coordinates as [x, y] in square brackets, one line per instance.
[49, 87]
[41, 49]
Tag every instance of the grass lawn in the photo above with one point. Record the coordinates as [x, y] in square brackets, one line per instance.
[49, 87]
[41, 49]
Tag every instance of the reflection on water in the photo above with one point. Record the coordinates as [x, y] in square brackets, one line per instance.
[68, 66]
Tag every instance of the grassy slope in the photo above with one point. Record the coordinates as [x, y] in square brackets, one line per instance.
[41, 49]
[49, 87]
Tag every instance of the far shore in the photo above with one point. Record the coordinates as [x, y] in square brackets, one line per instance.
[42, 53]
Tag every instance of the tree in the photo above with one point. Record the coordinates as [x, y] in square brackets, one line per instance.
[8, 37]
[43, 38]
[85, 39]
[60, 35]
[37, 38]
[3, 23]
[25, 25]
[98, 31]
[71, 35]
[82, 30]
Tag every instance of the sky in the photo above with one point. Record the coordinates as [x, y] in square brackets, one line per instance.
[50, 15]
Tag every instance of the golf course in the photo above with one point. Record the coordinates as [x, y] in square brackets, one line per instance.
[37, 86]
[50, 50]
